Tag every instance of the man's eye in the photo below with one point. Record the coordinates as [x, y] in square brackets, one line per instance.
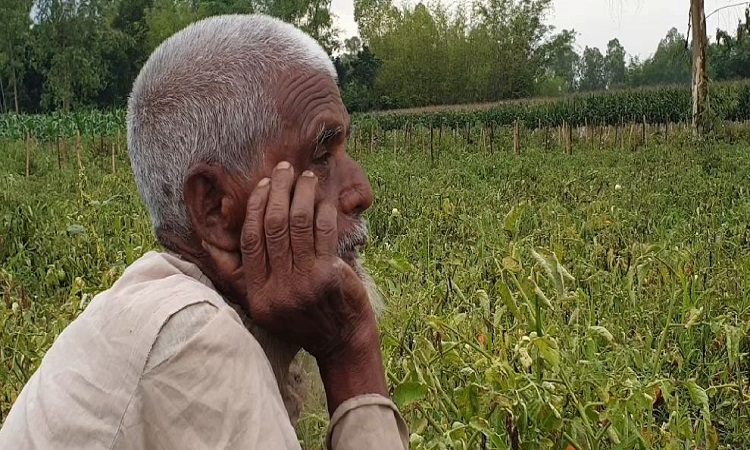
[322, 160]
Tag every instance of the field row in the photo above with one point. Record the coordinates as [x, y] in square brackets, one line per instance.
[540, 300]
[729, 102]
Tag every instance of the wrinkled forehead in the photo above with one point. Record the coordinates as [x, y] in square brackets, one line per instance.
[309, 102]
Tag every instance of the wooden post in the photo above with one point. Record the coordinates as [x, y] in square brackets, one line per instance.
[516, 138]
[467, 134]
[28, 155]
[57, 144]
[586, 130]
[492, 134]
[570, 140]
[440, 133]
[372, 137]
[645, 138]
[78, 149]
[432, 155]
[617, 134]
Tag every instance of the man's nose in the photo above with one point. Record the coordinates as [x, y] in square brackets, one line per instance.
[356, 194]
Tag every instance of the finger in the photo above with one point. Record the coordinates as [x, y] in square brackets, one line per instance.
[276, 221]
[253, 239]
[326, 231]
[302, 219]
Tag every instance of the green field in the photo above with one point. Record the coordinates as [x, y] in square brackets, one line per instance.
[598, 300]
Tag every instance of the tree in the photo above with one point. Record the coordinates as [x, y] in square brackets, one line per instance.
[592, 76]
[560, 63]
[729, 57]
[670, 64]
[614, 64]
[312, 16]
[14, 38]
[700, 76]
[70, 39]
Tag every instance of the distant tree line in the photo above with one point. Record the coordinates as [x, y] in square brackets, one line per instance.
[77, 54]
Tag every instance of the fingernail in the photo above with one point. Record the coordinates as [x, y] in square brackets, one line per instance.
[283, 165]
[308, 173]
[264, 182]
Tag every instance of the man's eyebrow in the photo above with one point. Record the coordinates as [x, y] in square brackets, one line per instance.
[326, 134]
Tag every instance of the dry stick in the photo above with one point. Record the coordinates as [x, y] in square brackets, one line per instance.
[645, 140]
[516, 138]
[440, 133]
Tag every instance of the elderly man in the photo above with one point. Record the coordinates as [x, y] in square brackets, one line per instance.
[236, 135]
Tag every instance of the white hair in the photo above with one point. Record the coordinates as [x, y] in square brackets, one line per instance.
[203, 97]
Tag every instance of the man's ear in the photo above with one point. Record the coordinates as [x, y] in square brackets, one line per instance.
[213, 207]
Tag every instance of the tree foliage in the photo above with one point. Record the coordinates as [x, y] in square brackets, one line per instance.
[79, 54]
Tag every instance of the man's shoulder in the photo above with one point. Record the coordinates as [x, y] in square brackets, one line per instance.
[163, 274]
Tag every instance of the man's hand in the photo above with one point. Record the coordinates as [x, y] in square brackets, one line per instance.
[297, 287]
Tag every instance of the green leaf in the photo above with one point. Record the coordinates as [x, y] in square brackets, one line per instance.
[508, 300]
[510, 221]
[400, 263]
[409, 392]
[602, 332]
[76, 229]
[693, 316]
[512, 264]
[734, 337]
[700, 398]
[548, 350]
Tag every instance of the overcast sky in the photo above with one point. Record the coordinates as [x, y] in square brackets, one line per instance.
[639, 24]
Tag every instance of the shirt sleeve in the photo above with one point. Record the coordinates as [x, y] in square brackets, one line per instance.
[216, 391]
[367, 422]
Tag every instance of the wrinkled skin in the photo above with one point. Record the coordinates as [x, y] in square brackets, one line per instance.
[279, 244]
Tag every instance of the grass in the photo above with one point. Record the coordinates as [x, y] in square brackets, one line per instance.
[588, 301]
